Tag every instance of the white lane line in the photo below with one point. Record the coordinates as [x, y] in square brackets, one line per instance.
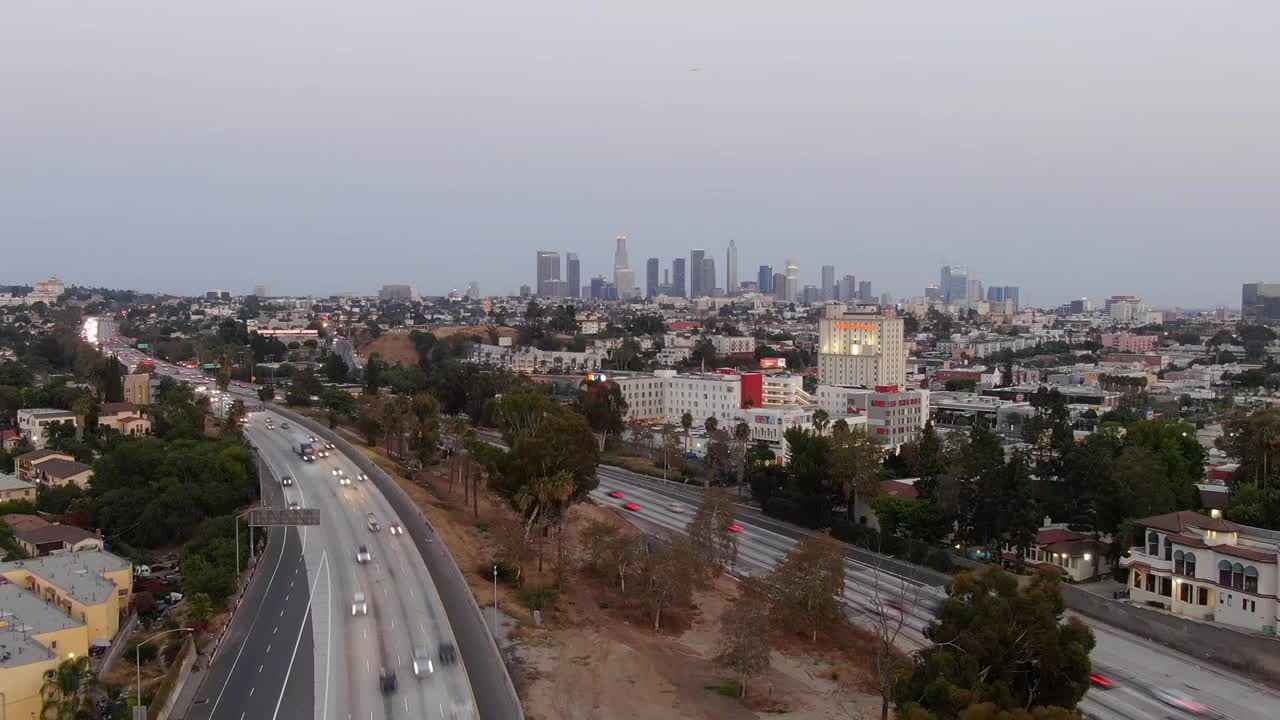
[275, 630]
[260, 668]
[279, 558]
[251, 691]
[286, 596]
[241, 716]
[422, 626]
[328, 641]
[268, 647]
[406, 703]
[281, 613]
[410, 591]
[324, 561]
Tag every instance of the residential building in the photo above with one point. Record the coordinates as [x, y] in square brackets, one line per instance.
[861, 345]
[1076, 556]
[34, 423]
[696, 258]
[548, 271]
[24, 466]
[533, 360]
[829, 282]
[864, 291]
[764, 279]
[10, 439]
[137, 389]
[53, 608]
[733, 344]
[260, 291]
[1260, 303]
[125, 418]
[1207, 568]
[51, 467]
[39, 537]
[1125, 308]
[11, 488]
[731, 269]
[1130, 343]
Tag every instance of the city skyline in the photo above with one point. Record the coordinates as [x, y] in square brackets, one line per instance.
[1020, 160]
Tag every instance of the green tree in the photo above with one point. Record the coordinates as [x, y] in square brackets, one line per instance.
[374, 368]
[200, 611]
[996, 643]
[807, 587]
[601, 403]
[686, 422]
[335, 368]
[821, 419]
[744, 634]
[857, 466]
[338, 403]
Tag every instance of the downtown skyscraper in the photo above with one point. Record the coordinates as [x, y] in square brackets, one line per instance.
[764, 279]
[624, 278]
[548, 277]
[696, 256]
[677, 278]
[731, 269]
[651, 277]
[828, 282]
[572, 274]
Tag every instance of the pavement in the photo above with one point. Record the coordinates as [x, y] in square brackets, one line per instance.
[1149, 680]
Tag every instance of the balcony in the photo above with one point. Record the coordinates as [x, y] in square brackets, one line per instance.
[1139, 555]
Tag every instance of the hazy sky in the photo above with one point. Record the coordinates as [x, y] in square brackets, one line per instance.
[1072, 148]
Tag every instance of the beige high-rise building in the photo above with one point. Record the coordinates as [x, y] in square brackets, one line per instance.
[860, 345]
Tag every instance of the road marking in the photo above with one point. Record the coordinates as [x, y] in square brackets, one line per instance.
[406, 703]
[268, 647]
[328, 642]
[260, 668]
[275, 630]
[251, 691]
[410, 591]
[281, 613]
[366, 665]
[279, 558]
[422, 626]
[286, 596]
[324, 561]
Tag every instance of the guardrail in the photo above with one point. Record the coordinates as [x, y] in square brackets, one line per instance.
[491, 684]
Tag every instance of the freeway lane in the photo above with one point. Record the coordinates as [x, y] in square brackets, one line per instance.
[1143, 669]
[403, 609]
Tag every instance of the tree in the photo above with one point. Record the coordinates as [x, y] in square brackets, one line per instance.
[669, 574]
[200, 611]
[224, 372]
[338, 403]
[66, 693]
[710, 424]
[297, 396]
[686, 422]
[335, 368]
[374, 368]
[808, 586]
[996, 643]
[266, 393]
[741, 440]
[601, 403]
[857, 465]
[715, 546]
[744, 634]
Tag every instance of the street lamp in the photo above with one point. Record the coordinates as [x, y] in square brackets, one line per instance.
[246, 512]
[495, 600]
[138, 655]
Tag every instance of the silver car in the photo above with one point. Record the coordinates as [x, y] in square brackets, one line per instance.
[422, 664]
[359, 605]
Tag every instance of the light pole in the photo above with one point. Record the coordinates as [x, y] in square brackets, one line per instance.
[138, 655]
[246, 512]
[495, 600]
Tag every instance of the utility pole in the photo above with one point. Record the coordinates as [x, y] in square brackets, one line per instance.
[495, 600]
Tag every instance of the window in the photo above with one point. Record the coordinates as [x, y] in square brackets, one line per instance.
[1237, 576]
[1203, 596]
[1153, 543]
[1224, 573]
[1185, 591]
[1151, 583]
[1137, 579]
[1168, 548]
[1178, 563]
[1251, 579]
[1189, 561]
[1249, 605]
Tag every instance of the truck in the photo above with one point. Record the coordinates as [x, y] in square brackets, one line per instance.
[305, 451]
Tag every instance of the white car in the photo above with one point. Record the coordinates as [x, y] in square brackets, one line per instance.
[372, 522]
[422, 664]
[676, 507]
[337, 472]
[359, 605]
[344, 480]
[287, 480]
[396, 529]
[293, 504]
[362, 555]
[361, 476]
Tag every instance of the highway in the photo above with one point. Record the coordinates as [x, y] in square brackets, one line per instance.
[1150, 678]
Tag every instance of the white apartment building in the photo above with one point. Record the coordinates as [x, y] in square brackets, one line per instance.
[1207, 568]
[893, 415]
[46, 291]
[860, 346]
[733, 344]
[673, 355]
[33, 423]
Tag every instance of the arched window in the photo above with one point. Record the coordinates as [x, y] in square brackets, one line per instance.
[1251, 579]
[1224, 573]
[1189, 562]
[1177, 562]
[1237, 576]
[1153, 543]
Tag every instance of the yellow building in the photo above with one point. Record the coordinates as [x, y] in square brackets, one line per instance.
[51, 609]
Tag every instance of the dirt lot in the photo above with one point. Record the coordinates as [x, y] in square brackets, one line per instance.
[588, 661]
[397, 347]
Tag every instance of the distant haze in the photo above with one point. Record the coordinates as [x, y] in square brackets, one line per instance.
[1081, 148]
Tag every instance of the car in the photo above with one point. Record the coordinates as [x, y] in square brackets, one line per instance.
[311, 438]
[676, 507]
[633, 507]
[284, 425]
[1101, 681]
[359, 605]
[616, 494]
[362, 555]
[387, 681]
[422, 664]
[448, 654]
[735, 528]
[141, 570]
[329, 445]
[1178, 700]
[286, 481]
[361, 476]
[371, 521]
[293, 504]
[344, 480]
[396, 529]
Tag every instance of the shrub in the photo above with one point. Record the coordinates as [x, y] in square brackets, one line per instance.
[538, 597]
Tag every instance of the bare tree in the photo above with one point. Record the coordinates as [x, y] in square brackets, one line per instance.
[715, 546]
[670, 571]
[888, 622]
[744, 633]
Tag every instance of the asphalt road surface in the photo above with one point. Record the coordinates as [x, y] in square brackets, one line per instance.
[1150, 680]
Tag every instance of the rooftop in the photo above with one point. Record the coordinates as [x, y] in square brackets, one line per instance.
[24, 612]
[117, 408]
[79, 574]
[9, 482]
[17, 649]
[48, 412]
[69, 534]
[35, 455]
[21, 521]
[59, 468]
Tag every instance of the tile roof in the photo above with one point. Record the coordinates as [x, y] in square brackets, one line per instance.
[117, 408]
[35, 455]
[1046, 536]
[893, 488]
[59, 468]
[1246, 553]
[1178, 522]
[68, 534]
[21, 521]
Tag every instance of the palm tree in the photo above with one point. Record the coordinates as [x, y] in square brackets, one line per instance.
[66, 689]
[710, 424]
[820, 419]
[741, 436]
[686, 422]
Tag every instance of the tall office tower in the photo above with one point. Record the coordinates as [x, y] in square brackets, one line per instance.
[1011, 292]
[473, 290]
[932, 292]
[1260, 303]
[954, 283]
[864, 291]
[828, 282]
[695, 273]
[677, 278]
[974, 293]
[861, 346]
[651, 277]
[811, 295]
[259, 291]
[848, 290]
[764, 279]
[708, 276]
[792, 293]
[886, 300]
[779, 286]
[731, 269]
[548, 270]
[623, 277]
[572, 268]
[525, 291]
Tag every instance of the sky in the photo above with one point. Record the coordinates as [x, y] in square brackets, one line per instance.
[1073, 149]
